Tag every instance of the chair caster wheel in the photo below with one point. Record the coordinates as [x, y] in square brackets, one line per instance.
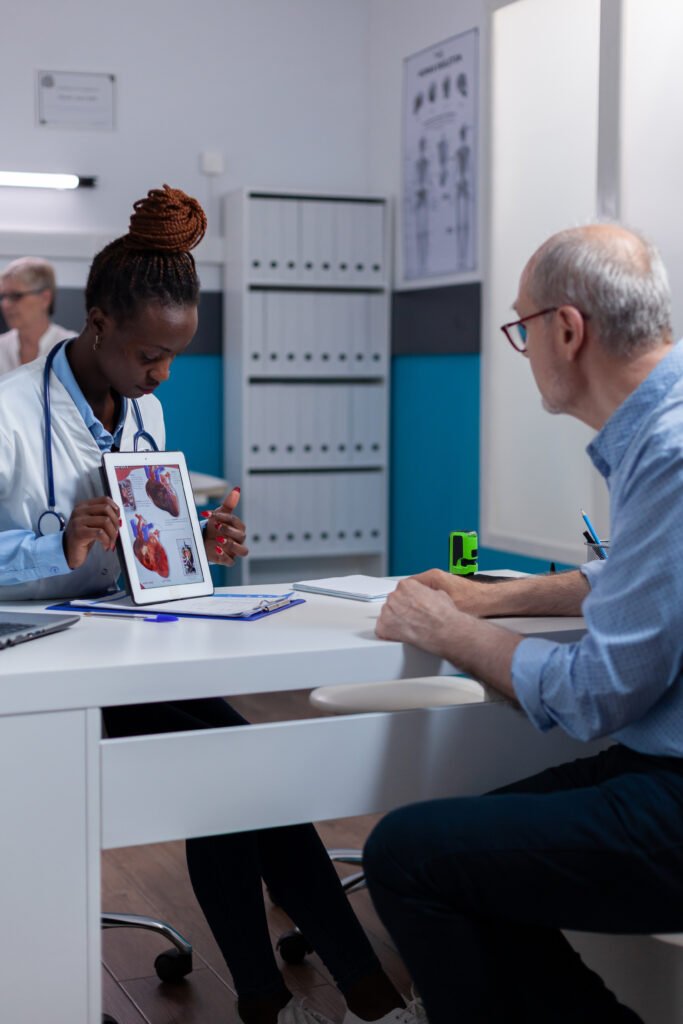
[293, 947]
[172, 965]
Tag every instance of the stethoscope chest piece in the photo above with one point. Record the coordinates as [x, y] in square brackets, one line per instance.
[51, 522]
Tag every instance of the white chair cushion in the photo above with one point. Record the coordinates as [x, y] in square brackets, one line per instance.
[398, 695]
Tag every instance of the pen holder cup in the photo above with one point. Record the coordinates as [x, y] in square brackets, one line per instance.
[592, 553]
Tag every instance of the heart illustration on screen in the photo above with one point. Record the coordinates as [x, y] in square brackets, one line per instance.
[160, 490]
[148, 548]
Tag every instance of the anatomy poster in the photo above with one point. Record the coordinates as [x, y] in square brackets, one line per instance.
[440, 125]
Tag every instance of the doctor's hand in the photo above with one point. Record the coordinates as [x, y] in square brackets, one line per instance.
[420, 615]
[225, 532]
[95, 521]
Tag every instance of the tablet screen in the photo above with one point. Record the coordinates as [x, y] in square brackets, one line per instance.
[160, 537]
[154, 506]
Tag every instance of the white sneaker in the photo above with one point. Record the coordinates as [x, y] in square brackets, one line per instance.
[413, 1013]
[295, 1012]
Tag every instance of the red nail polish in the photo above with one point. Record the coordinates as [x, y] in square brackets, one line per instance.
[219, 551]
[206, 515]
[238, 489]
[120, 522]
[221, 540]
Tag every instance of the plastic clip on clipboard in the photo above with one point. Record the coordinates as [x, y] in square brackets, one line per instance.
[259, 606]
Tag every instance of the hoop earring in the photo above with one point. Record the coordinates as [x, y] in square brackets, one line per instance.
[96, 343]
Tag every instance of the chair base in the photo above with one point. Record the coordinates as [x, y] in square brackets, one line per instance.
[172, 965]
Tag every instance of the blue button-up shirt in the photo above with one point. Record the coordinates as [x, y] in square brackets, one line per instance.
[35, 558]
[624, 679]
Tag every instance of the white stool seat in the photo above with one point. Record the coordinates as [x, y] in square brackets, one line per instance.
[673, 939]
[398, 695]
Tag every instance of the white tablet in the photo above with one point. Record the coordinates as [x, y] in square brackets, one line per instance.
[160, 541]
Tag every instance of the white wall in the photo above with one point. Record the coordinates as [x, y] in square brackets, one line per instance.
[280, 88]
[399, 28]
[652, 132]
[544, 133]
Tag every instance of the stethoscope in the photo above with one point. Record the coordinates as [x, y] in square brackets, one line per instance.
[52, 521]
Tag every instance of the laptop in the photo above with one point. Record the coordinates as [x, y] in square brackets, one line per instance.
[16, 627]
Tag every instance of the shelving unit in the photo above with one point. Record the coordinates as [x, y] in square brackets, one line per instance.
[306, 357]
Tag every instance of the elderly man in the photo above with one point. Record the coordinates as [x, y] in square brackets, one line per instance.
[475, 890]
[27, 296]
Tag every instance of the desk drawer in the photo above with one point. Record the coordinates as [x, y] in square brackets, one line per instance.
[175, 785]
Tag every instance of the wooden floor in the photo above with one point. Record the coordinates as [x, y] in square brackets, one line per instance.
[153, 880]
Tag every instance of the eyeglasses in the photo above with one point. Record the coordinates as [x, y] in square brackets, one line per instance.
[17, 296]
[519, 342]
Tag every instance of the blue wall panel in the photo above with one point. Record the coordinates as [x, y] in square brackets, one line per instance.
[435, 464]
[434, 457]
[193, 408]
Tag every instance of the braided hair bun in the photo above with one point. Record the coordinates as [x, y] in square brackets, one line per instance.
[153, 262]
[167, 220]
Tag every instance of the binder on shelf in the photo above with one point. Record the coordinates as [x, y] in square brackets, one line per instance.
[323, 213]
[308, 247]
[256, 331]
[378, 328]
[344, 242]
[258, 240]
[255, 427]
[375, 243]
[288, 241]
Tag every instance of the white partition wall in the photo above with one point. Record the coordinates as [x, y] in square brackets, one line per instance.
[652, 131]
[535, 475]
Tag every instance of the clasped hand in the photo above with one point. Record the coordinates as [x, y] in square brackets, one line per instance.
[415, 613]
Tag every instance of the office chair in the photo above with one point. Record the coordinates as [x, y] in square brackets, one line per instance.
[171, 965]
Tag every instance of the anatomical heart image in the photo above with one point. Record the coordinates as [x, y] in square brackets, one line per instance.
[148, 548]
[160, 490]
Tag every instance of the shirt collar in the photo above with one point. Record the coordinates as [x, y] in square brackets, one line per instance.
[104, 440]
[607, 448]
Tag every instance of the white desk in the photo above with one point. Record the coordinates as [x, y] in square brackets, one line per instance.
[67, 793]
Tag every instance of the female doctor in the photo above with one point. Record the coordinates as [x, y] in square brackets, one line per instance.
[57, 540]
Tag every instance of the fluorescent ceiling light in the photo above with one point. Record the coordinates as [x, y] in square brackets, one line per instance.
[29, 179]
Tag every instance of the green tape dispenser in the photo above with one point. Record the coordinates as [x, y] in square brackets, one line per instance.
[463, 550]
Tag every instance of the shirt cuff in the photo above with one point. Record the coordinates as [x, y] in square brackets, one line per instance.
[591, 570]
[49, 557]
[528, 663]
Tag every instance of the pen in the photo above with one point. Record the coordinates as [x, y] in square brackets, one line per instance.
[159, 617]
[594, 536]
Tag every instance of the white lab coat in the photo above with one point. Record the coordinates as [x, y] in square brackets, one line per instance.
[9, 345]
[76, 461]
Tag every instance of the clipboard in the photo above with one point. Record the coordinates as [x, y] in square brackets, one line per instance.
[261, 613]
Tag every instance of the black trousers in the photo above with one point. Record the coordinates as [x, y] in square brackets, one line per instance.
[475, 890]
[226, 872]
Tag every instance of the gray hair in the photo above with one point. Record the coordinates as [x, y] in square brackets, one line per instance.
[614, 277]
[33, 272]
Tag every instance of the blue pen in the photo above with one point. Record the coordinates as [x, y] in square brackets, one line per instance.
[159, 617]
[593, 532]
